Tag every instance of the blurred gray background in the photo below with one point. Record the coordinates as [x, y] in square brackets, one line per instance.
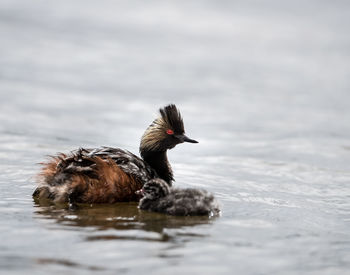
[264, 87]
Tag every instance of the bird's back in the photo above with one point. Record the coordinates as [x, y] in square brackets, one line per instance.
[101, 175]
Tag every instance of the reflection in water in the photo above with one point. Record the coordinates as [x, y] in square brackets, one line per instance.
[121, 216]
[118, 222]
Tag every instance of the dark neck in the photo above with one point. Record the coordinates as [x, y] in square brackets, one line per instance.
[158, 160]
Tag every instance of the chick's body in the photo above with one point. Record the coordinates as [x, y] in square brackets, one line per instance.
[177, 202]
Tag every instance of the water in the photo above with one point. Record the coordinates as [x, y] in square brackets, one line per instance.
[264, 87]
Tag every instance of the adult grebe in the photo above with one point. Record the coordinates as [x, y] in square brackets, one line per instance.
[108, 175]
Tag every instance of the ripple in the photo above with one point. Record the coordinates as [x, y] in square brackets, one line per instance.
[252, 223]
[67, 263]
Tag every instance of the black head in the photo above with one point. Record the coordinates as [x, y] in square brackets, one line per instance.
[172, 118]
[165, 132]
[154, 189]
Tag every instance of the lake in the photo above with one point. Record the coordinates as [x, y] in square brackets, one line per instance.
[264, 86]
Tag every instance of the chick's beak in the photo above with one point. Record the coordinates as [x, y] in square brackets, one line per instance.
[184, 138]
[140, 192]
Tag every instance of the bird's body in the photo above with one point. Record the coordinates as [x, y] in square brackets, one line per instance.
[109, 175]
[159, 197]
[102, 175]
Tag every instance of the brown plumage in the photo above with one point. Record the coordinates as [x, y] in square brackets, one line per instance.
[104, 183]
[109, 175]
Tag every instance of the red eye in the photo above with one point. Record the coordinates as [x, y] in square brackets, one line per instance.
[170, 132]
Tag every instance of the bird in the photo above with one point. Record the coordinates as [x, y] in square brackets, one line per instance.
[158, 196]
[108, 174]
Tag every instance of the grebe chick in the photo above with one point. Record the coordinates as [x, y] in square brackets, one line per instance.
[109, 175]
[158, 196]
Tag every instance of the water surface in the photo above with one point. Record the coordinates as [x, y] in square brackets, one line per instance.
[264, 87]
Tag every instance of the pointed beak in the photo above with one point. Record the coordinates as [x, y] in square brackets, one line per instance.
[184, 138]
